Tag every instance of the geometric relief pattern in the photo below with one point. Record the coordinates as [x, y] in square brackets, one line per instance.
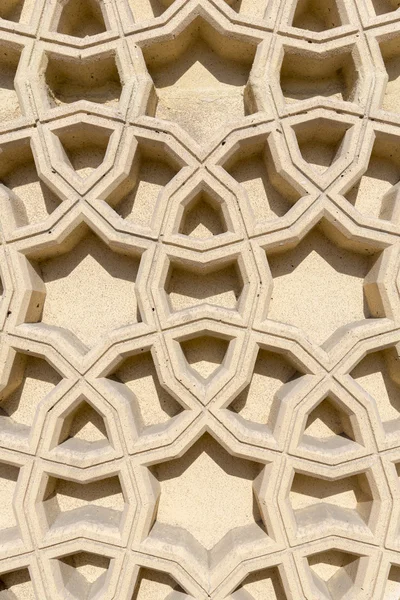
[200, 299]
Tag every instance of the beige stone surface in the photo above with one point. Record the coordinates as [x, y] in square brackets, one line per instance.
[199, 300]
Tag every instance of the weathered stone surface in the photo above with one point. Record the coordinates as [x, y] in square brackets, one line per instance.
[199, 300]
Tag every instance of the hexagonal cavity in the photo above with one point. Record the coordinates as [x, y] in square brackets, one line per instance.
[259, 585]
[324, 283]
[230, 516]
[136, 379]
[256, 166]
[25, 196]
[137, 199]
[336, 574]
[82, 575]
[68, 78]
[11, 106]
[344, 504]
[374, 193]
[258, 404]
[156, 585]
[69, 508]
[31, 380]
[335, 74]
[17, 585]
[80, 18]
[389, 47]
[80, 280]
[189, 284]
[201, 79]
[377, 374]
[317, 16]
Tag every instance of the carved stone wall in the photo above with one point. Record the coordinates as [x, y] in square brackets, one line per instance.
[200, 299]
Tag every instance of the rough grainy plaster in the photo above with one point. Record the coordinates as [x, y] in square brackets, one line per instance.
[199, 300]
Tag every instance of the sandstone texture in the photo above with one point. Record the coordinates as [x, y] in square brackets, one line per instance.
[199, 300]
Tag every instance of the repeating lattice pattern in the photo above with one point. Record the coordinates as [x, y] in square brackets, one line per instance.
[200, 310]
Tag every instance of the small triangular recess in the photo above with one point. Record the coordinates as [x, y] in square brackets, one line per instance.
[202, 218]
[83, 429]
[83, 574]
[328, 428]
[205, 355]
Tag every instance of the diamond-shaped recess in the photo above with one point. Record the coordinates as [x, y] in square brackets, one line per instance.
[204, 92]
